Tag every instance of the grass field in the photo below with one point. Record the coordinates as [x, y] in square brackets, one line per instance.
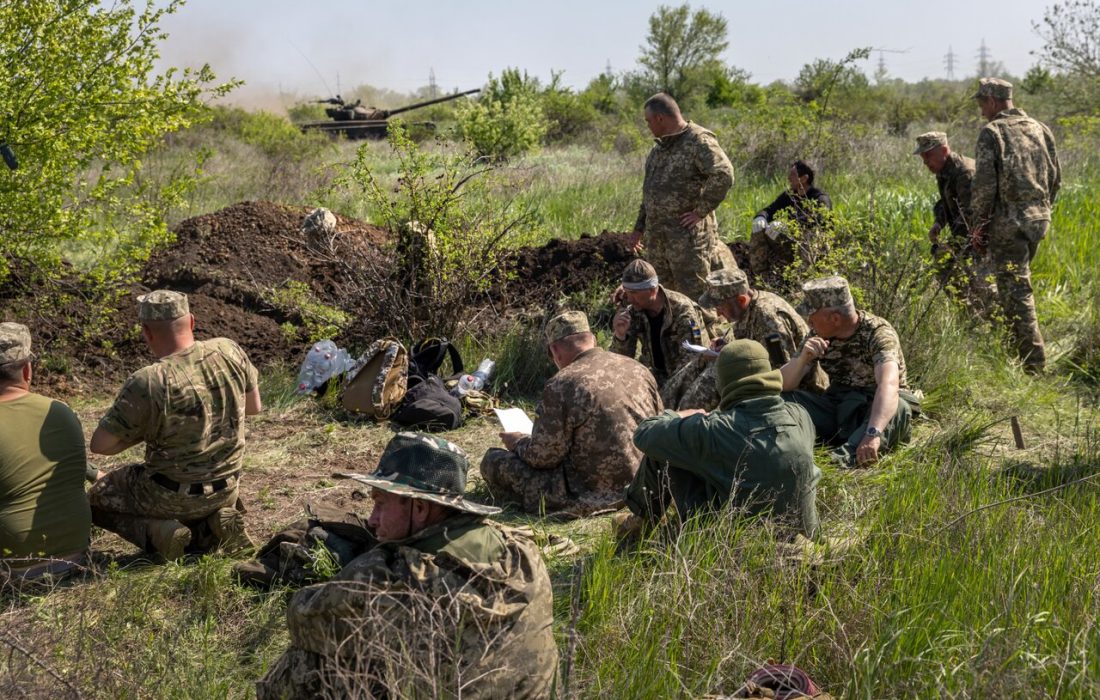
[961, 566]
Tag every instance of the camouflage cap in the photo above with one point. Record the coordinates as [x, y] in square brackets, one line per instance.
[566, 324]
[927, 141]
[15, 342]
[724, 284]
[825, 293]
[425, 467]
[639, 275]
[162, 305]
[994, 87]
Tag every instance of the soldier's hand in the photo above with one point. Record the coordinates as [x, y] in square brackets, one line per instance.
[618, 296]
[689, 218]
[510, 439]
[690, 412]
[621, 324]
[814, 349]
[635, 241]
[867, 450]
[934, 233]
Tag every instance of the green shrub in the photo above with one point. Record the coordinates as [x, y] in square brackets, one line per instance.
[507, 120]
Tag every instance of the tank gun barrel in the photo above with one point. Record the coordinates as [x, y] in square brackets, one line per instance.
[418, 105]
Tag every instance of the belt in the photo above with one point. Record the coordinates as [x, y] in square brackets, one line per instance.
[196, 488]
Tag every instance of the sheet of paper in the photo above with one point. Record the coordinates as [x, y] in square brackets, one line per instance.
[514, 420]
[699, 349]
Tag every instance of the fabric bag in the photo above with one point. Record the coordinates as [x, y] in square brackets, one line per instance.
[379, 384]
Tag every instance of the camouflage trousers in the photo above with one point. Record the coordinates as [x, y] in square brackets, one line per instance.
[965, 276]
[511, 480]
[840, 416]
[657, 485]
[1012, 249]
[303, 675]
[129, 503]
[684, 257]
[694, 385]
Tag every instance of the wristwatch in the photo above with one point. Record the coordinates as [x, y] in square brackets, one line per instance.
[872, 431]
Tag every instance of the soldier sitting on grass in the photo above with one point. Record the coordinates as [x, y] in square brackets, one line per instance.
[446, 604]
[44, 516]
[188, 408]
[578, 457]
[774, 244]
[755, 452]
[867, 408]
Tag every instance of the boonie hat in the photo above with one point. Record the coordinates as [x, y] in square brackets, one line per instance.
[417, 465]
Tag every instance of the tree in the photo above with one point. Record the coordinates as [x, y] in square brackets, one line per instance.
[80, 104]
[1071, 31]
[682, 49]
[507, 120]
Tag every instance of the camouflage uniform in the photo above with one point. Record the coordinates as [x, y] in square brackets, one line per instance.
[579, 456]
[683, 320]
[798, 240]
[756, 453]
[685, 171]
[840, 414]
[188, 408]
[463, 608]
[1016, 180]
[767, 319]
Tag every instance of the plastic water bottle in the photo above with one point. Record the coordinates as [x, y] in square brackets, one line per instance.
[323, 362]
[477, 380]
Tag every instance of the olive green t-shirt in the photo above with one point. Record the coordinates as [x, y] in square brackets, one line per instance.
[188, 408]
[43, 508]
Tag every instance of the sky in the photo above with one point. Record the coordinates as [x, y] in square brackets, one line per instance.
[287, 50]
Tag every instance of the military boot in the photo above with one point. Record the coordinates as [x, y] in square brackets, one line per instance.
[227, 524]
[169, 538]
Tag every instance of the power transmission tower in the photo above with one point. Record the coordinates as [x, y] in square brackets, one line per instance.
[433, 87]
[985, 60]
[880, 73]
[949, 63]
[607, 68]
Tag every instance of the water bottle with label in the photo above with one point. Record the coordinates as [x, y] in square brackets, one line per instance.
[477, 380]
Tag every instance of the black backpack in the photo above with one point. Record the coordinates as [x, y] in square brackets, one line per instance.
[427, 404]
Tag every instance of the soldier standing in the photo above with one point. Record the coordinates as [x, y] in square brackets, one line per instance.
[687, 175]
[579, 456]
[1016, 180]
[960, 269]
[188, 408]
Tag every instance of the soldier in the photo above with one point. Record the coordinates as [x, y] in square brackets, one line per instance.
[446, 604]
[1016, 178]
[776, 244]
[755, 452]
[44, 516]
[756, 315]
[188, 408]
[687, 175]
[867, 408]
[579, 456]
[658, 319]
[960, 270]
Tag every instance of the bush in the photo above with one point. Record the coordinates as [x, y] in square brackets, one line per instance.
[508, 120]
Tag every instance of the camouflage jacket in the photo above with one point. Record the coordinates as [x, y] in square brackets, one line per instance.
[1016, 172]
[586, 417]
[685, 171]
[952, 209]
[851, 362]
[683, 320]
[461, 609]
[758, 454]
[188, 408]
[770, 315]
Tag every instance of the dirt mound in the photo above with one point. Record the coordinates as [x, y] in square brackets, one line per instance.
[232, 263]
